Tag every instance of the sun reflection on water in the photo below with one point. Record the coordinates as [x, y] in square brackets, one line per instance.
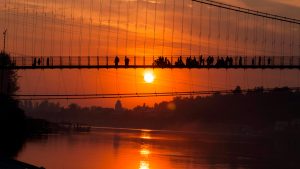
[145, 135]
[144, 165]
[145, 151]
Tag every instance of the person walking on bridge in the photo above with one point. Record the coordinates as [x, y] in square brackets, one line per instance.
[117, 61]
[126, 61]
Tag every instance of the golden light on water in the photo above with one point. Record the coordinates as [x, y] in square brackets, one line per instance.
[144, 165]
[145, 135]
[144, 151]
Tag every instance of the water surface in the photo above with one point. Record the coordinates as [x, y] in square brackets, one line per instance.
[143, 149]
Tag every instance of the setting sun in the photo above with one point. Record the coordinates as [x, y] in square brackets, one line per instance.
[148, 77]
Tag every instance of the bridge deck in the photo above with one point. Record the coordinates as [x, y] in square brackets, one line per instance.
[172, 62]
[148, 66]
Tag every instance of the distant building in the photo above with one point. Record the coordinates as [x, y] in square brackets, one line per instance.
[118, 106]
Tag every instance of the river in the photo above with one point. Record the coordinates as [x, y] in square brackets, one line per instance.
[110, 148]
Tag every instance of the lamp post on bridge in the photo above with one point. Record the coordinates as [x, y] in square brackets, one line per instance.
[2, 62]
[4, 39]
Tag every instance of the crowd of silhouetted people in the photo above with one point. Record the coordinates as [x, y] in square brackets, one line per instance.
[187, 62]
[210, 61]
[162, 62]
[41, 61]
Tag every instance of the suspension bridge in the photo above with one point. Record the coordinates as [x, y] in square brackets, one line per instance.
[168, 34]
[222, 62]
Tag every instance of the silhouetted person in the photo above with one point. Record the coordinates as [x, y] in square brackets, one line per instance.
[259, 61]
[167, 62]
[179, 62]
[126, 61]
[39, 61]
[207, 61]
[201, 60]
[223, 62]
[48, 61]
[195, 63]
[188, 61]
[269, 61]
[227, 61]
[117, 61]
[230, 61]
[34, 62]
[253, 61]
[218, 62]
[210, 60]
[241, 61]
[162, 62]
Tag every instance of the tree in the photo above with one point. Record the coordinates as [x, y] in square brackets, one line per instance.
[118, 106]
[237, 90]
[9, 85]
[12, 118]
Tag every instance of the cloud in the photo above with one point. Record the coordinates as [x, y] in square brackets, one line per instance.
[286, 8]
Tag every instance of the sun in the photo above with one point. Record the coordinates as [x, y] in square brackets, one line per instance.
[148, 77]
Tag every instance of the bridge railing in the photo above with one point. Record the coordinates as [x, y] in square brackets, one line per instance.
[155, 61]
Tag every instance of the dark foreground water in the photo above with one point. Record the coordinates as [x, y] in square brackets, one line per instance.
[143, 149]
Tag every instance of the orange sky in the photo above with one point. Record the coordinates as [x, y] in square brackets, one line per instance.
[86, 28]
[98, 27]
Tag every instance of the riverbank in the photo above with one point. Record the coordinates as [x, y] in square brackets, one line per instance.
[14, 164]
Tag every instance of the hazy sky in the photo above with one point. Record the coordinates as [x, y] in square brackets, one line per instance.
[289, 8]
[150, 28]
[144, 27]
